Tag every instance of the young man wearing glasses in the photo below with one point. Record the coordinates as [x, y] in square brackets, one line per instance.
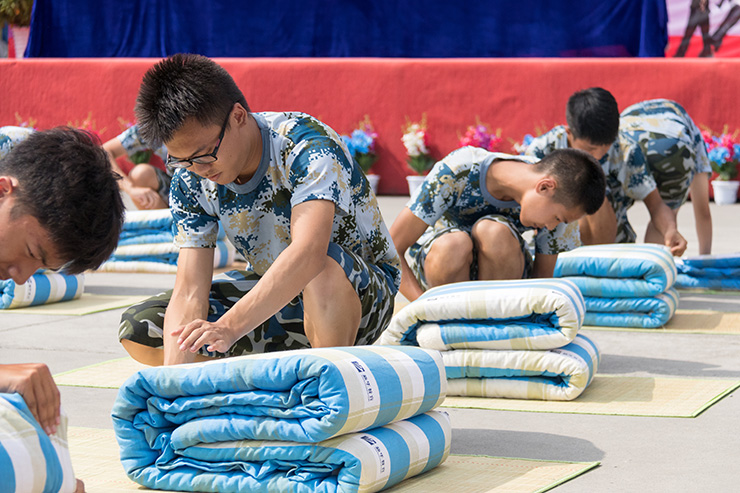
[323, 269]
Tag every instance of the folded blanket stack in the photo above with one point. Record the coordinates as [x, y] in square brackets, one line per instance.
[146, 245]
[624, 285]
[31, 460]
[720, 272]
[356, 419]
[516, 339]
[42, 288]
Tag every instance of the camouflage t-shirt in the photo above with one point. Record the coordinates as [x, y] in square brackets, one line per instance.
[10, 136]
[454, 194]
[627, 176]
[302, 159]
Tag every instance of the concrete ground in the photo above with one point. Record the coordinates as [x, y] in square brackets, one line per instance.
[636, 453]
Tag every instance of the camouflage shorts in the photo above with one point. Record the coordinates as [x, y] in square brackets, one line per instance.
[143, 323]
[416, 255]
[673, 165]
[163, 180]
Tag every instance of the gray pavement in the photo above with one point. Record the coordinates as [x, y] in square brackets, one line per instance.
[636, 453]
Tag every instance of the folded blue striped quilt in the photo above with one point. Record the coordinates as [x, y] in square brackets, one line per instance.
[164, 417]
[648, 313]
[31, 460]
[521, 314]
[147, 244]
[559, 374]
[720, 272]
[42, 288]
[619, 270]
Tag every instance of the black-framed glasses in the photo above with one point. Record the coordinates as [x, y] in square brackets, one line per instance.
[176, 162]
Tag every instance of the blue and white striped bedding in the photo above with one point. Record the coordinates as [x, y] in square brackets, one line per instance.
[522, 314]
[619, 270]
[166, 418]
[516, 339]
[648, 313]
[560, 374]
[720, 272]
[42, 288]
[31, 460]
[146, 245]
[624, 285]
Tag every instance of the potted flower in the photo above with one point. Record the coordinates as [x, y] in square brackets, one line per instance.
[418, 157]
[724, 157]
[17, 14]
[361, 145]
[479, 135]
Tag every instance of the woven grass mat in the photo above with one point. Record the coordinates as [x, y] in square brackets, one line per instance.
[95, 458]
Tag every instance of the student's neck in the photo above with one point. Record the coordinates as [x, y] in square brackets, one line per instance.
[253, 155]
[507, 180]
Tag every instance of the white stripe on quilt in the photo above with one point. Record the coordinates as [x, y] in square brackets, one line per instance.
[418, 445]
[362, 388]
[19, 439]
[657, 254]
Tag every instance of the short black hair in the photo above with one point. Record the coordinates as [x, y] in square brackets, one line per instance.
[580, 179]
[593, 115]
[66, 182]
[180, 87]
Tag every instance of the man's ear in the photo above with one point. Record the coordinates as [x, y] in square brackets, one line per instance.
[569, 135]
[240, 114]
[546, 186]
[7, 184]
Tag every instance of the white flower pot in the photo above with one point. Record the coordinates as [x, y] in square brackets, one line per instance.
[725, 192]
[373, 179]
[414, 182]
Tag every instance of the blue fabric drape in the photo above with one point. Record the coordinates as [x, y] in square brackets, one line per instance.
[348, 28]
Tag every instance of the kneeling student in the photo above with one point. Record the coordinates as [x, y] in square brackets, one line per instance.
[466, 220]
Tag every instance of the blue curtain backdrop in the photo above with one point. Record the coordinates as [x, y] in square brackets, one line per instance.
[348, 28]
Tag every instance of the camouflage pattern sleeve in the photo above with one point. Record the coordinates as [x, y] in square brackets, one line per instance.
[442, 186]
[319, 167]
[194, 227]
[563, 238]
[543, 145]
[132, 143]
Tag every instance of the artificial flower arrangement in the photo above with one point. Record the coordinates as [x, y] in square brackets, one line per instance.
[20, 122]
[479, 135]
[521, 147]
[361, 144]
[724, 153]
[88, 124]
[415, 139]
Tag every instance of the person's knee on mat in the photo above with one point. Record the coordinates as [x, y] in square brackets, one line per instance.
[332, 308]
[449, 259]
[498, 251]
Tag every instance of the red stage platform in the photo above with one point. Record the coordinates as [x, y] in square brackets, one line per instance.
[517, 95]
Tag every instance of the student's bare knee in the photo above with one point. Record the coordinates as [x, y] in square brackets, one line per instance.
[332, 308]
[493, 237]
[143, 354]
[454, 249]
[143, 175]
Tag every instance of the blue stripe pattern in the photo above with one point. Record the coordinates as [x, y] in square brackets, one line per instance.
[38, 290]
[174, 423]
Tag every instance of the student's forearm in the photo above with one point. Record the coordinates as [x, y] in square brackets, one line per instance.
[702, 214]
[182, 309]
[410, 287]
[189, 299]
[661, 215]
[286, 278]
[544, 266]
